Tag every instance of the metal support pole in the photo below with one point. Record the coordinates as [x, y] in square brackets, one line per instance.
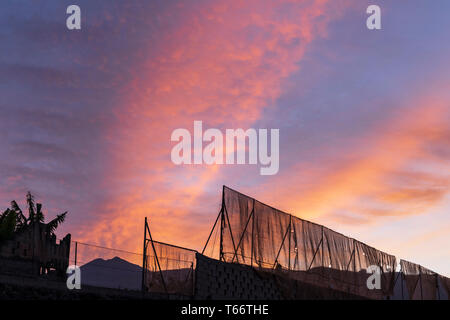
[351, 258]
[401, 277]
[290, 236]
[144, 256]
[76, 252]
[210, 234]
[242, 236]
[304, 243]
[323, 267]
[221, 224]
[437, 287]
[420, 279]
[281, 247]
[314, 256]
[253, 230]
[229, 227]
[222, 221]
[156, 257]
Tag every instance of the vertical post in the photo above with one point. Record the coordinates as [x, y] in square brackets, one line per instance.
[401, 278]
[144, 257]
[194, 278]
[253, 230]
[355, 252]
[290, 236]
[304, 244]
[420, 279]
[221, 225]
[221, 235]
[156, 257]
[323, 267]
[437, 287]
[76, 252]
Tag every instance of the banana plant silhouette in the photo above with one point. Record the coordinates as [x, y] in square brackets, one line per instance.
[12, 220]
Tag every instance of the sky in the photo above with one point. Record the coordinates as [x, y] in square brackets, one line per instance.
[87, 116]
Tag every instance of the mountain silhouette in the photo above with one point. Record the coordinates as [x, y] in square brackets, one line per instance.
[113, 273]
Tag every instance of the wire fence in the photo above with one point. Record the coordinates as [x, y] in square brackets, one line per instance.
[168, 268]
[107, 267]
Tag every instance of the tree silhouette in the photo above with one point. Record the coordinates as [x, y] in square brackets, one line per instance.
[12, 220]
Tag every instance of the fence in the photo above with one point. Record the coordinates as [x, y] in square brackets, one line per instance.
[255, 234]
[420, 283]
[167, 268]
[107, 267]
[251, 233]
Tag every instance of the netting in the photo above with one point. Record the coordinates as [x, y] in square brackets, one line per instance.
[106, 267]
[256, 234]
[445, 283]
[421, 283]
[169, 269]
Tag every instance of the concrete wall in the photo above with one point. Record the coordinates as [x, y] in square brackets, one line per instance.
[219, 280]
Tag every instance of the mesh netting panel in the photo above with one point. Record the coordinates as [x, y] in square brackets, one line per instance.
[171, 270]
[255, 234]
[411, 272]
[239, 209]
[339, 262]
[270, 230]
[366, 256]
[429, 282]
[421, 282]
[445, 282]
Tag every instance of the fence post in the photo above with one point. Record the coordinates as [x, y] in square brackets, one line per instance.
[437, 287]
[144, 256]
[323, 267]
[76, 251]
[222, 220]
[420, 279]
[304, 244]
[401, 277]
[253, 230]
[194, 277]
[290, 235]
[221, 224]
[147, 228]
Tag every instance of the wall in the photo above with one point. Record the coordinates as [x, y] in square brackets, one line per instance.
[38, 248]
[219, 280]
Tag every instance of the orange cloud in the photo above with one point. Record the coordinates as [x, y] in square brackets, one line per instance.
[385, 174]
[223, 63]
